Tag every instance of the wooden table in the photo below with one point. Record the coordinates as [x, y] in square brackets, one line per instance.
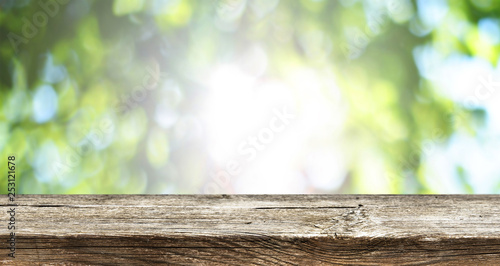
[255, 229]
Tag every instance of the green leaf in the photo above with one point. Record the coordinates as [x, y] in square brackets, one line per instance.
[125, 7]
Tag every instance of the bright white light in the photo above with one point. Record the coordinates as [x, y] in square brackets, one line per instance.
[240, 107]
[274, 171]
[230, 111]
[326, 169]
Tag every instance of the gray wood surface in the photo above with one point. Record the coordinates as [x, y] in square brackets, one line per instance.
[255, 229]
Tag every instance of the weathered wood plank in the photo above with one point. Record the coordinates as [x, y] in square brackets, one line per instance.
[258, 229]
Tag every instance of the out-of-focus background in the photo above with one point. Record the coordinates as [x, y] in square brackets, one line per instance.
[255, 96]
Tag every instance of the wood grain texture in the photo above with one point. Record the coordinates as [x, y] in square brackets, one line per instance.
[255, 229]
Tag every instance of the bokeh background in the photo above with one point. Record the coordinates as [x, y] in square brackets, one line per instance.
[250, 96]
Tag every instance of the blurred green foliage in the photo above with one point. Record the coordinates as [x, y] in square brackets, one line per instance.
[70, 70]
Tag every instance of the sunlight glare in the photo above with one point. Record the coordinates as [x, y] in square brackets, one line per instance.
[230, 110]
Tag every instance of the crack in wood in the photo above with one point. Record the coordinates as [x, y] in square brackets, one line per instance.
[294, 207]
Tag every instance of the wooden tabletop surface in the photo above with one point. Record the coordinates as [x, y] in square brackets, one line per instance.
[254, 229]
